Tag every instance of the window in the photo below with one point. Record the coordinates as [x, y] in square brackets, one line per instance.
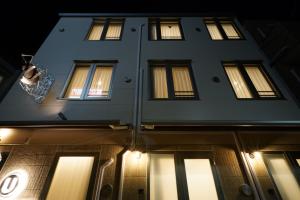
[283, 175]
[171, 80]
[1, 78]
[90, 81]
[106, 29]
[249, 81]
[72, 178]
[182, 176]
[222, 29]
[165, 29]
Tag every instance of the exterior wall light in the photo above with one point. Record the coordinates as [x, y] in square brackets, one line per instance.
[35, 80]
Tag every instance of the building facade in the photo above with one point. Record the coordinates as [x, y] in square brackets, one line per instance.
[151, 107]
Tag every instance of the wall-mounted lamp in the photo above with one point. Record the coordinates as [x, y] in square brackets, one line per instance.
[62, 116]
[254, 154]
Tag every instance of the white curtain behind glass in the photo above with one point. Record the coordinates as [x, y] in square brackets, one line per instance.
[170, 30]
[237, 81]
[230, 31]
[182, 82]
[101, 82]
[96, 32]
[283, 176]
[160, 82]
[214, 32]
[77, 82]
[71, 178]
[258, 79]
[162, 177]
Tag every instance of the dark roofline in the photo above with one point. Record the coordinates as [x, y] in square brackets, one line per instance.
[202, 14]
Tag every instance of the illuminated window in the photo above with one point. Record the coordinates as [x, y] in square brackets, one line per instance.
[171, 80]
[90, 81]
[165, 29]
[220, 29]
[71, 179]
[249, 81]
[283, 175]
[106, 29]
[195, 175]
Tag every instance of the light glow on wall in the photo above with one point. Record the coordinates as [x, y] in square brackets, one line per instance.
[13, 184]
[5, 133]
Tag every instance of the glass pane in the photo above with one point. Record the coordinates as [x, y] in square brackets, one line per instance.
[96, 31]
[200, 179]
[101, 82]
[78, 79]
[71, 178]
[260, 82]
[237, 81]
[160, 82]
[214, 32]
[182, 82]
[114, 31]
[170, 31]
[283, 176]
[162, 177]
[153, 32]
[230, 31]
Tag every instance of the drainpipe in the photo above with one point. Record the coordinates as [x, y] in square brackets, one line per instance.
[253, 181]
[100, 180]
[138, 92]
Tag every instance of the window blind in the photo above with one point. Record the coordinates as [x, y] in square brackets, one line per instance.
[162, 177]
[170, 30]
[230, 31]
[96, 32]
[237, 81]
[260, 82]
[160, 82]
[283, 176]
[214, 31]
[182, 82]
[71, 178]
[114, 31]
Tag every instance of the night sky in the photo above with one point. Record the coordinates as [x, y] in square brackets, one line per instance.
[26, 24]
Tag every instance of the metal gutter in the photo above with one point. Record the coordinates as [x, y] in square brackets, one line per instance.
[223, 123]
[63, 123]
[166, 14]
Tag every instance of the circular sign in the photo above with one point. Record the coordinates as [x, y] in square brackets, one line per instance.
[13, 184]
